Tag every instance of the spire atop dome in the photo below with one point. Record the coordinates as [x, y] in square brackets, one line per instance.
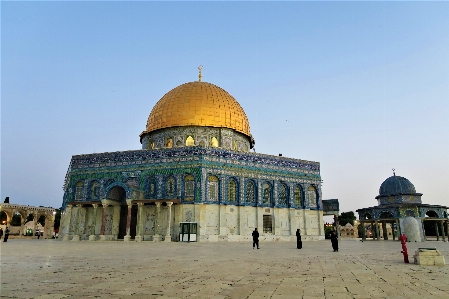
[200, 75]
[394, 174]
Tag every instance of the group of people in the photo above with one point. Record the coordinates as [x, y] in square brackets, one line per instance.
[334, 239]
[5, 239]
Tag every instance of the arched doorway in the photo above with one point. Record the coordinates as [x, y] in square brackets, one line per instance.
[430, 224]
[118, 194]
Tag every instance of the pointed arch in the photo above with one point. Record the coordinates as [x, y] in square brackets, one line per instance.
[190, 141]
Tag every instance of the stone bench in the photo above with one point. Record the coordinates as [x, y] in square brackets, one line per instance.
[428, 257]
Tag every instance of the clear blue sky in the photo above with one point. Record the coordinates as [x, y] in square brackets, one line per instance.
[361, 87]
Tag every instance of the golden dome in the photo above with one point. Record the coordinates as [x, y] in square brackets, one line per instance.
[198, 104]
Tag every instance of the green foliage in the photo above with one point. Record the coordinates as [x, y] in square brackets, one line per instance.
[346, 217]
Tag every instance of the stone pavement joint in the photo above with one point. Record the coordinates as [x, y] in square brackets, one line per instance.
[47, 269]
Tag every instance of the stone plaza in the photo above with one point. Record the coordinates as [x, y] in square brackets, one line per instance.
[49, 268]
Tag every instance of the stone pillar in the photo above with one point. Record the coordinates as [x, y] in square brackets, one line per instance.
[127, 238]
[68, 211]
[157, 237]
[115, 222]
[363, 231]
[376, 223]
[423, 229]
[92, 236]
[442, 231]
[76, 236]
[22, 223]
[140, 228]
[436, 231]
[384, 230]
[103, 222]
[168, 234]
[34, 224]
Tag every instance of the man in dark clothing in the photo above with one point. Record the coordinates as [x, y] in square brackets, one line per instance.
[298, 239]
[255, 235]
[334, 240]
[5, 239]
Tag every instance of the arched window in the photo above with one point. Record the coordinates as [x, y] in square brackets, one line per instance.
[214, 142]
[266, 194]
[94, 190]
[232, 191]
[283, 194]
[178, 143]
[150, 188]
[190, 141]
[169, 143]
[152, 145]
[312, 196]
[189, 188]
[170, 187]
[202, 143]
[79, 191]
[298, 196]
[250, 192]
[212, 188]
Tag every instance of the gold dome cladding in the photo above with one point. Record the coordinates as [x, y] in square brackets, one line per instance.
[198, 104]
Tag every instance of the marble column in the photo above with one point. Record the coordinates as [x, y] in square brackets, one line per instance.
[436, 231]
[376, 223]
[92, 236]
[76, 236]
[68, 212]
[140, 228]
[157, 236]
[127, 238]
[34, 225]
[442, 231]
[363, 231]
[168, 234]
[384, 230]
[423, 229]
[103, 222]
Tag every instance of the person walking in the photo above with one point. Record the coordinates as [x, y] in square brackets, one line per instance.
[255, 235]
[298, 239]
[5, 239]
[334, 240]
[38, 233]
[1, 233]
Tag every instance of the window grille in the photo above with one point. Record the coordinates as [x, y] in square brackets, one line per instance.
[267, 224]
[250, 192]
[232, 190]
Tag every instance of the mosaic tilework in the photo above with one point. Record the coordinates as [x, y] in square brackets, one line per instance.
[160, 174]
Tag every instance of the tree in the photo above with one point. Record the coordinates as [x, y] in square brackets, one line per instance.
[346, 217]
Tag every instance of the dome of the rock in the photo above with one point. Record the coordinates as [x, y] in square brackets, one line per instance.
[198, 104]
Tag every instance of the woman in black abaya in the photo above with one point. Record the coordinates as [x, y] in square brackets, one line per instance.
[334, 241]
[298, 239]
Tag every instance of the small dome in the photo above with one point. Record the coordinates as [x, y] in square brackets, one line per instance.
[198, 104]
[396, 185]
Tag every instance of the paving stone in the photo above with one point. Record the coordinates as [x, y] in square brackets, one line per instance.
[55, 269]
